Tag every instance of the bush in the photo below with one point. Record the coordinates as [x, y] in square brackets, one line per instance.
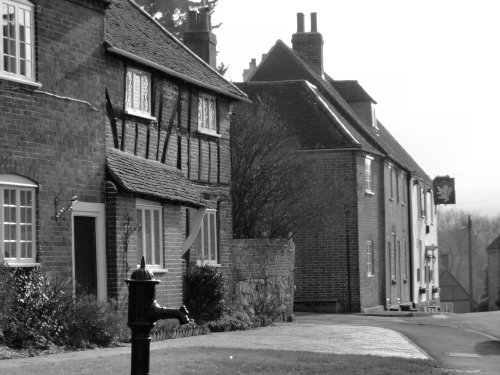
[39, 313]
[234, 321]
[206, 294]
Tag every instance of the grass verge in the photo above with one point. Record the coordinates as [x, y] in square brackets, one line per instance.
[216, 361]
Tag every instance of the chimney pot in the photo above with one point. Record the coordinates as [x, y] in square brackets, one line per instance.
[300, 22]
[205, 19]
[314, 22]
[193, 20]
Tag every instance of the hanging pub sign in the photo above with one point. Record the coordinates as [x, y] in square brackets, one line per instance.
[444, 190]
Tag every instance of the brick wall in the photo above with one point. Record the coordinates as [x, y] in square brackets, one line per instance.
[371, 228]
[58, 142]
[263, 275]
[326, 264]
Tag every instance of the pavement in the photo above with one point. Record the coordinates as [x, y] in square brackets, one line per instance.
[302, 335]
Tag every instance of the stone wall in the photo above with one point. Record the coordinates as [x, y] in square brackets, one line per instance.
[263, 275]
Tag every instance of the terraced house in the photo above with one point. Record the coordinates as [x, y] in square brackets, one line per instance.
[114, 145]
[377, 246]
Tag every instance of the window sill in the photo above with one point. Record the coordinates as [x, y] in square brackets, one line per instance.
[17, 264]
[369, 192]
[160, 271]
[201, 263]
[140, 115]
[154, 269]
[206, 132]
[391, 199]
[21, 80]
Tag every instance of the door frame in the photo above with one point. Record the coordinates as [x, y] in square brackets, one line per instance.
[97, 211]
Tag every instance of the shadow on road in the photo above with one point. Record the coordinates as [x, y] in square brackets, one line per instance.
[491, 347]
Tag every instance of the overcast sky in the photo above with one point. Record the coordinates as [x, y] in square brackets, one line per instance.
[433, 66]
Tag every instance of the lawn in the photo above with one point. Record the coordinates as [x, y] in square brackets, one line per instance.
[216, 361]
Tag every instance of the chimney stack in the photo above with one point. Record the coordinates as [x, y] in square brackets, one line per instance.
[199, 37]
[251, 68]
[309, 44]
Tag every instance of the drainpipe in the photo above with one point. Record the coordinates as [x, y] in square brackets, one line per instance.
[410, 239]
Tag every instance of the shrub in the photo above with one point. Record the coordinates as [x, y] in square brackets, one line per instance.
[232, 321]
[40, 313]
[206, 294]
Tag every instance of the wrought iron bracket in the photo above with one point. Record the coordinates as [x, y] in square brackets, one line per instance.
[60, 213]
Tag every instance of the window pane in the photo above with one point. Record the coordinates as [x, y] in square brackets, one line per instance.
[206, 242]
[148, 235]
[7, 251]
[140, 234]
[206, 113]
[145, 93]
[129, 89]
[200, 112]
[137, 92]
[157, 236]
[213, 238]
[212, 114]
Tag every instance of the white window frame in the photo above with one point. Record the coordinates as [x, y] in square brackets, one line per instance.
[374, 117]
[209, 255]
[18, 184]
[131, 107]
[403, 188]
[207, 114]
[391, 182]
[370, 258]
[143, 206]
[19, 6]
[369, 175]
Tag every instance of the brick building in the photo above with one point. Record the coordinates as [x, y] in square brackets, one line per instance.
[363, 254]
[115, 144]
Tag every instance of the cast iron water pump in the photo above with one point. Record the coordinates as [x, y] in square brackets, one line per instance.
[143, 312]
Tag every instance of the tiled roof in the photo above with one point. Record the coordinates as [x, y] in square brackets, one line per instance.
[316, 123]
[351, 91]
[283, 63]
[131, 32]
[495, 245]
[152, 179]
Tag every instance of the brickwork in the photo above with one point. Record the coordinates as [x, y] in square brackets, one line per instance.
[53, 135]
[326, 264]
[264, 265]
[370, 216]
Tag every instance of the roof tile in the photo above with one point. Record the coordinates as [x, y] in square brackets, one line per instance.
[130, 29]
[152, 179]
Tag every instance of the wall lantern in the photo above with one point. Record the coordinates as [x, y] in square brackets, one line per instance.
[431, 252]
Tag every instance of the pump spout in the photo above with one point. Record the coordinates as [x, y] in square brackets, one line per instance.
[157, 312]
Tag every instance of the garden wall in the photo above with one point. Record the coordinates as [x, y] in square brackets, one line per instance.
[264, 277]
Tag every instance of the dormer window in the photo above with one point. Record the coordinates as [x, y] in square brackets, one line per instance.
[207, 114]
[374, 117]
[16, 48]
[138, 94]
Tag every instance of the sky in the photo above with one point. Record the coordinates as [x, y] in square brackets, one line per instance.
[432, 66]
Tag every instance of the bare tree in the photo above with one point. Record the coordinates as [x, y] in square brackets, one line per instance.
[172, 14]
[275, 190]
[453, 240]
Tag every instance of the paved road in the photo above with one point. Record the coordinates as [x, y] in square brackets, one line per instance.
[455, 341]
